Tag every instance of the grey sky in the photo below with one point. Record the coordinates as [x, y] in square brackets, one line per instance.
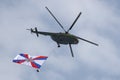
[99, 22]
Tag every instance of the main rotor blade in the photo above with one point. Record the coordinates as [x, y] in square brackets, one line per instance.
[88, 41]
[74, 22]
[55, 19]
[71, 50]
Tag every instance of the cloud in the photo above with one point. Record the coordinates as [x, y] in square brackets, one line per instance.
[99, 23]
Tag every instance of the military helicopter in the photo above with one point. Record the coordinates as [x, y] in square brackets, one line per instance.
[62, 38]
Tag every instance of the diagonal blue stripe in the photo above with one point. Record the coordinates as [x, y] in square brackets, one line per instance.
[19, 61]
[38, 66]
[23, 55]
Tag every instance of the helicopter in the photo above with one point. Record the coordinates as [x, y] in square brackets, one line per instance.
[63, 37]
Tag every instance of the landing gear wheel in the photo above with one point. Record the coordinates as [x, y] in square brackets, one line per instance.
[58, 44]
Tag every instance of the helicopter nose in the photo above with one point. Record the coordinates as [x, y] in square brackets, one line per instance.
[76, 41]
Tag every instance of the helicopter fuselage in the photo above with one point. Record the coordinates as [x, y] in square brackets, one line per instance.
[63, 38]
[60, 38]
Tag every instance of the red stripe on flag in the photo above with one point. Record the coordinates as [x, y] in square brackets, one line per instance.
[40, 57]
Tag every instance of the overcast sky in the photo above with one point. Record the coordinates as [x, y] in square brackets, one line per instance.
[99, 23]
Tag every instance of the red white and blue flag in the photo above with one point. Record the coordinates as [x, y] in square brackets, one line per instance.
[33, 61]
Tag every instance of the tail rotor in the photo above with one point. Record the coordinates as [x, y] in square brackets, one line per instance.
[34, 31]
[31, 30]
